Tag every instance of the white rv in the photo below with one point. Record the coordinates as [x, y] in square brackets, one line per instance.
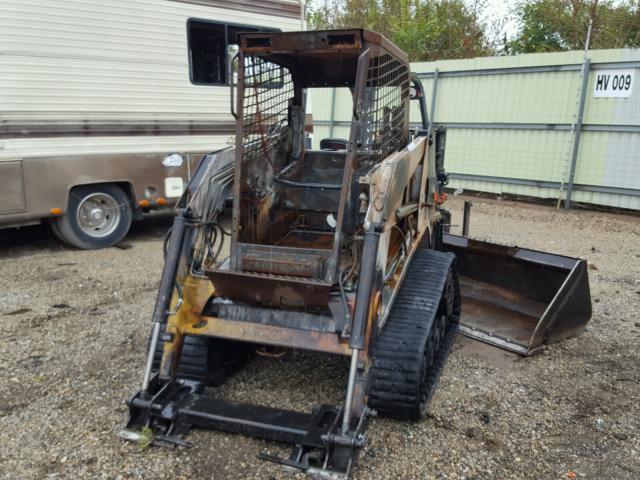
[107, 106]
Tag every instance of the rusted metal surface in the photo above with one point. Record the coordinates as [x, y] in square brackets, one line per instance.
[304, 239]
[278, 317]
[271, 290]
[284, 260]
[269, 335]
[317, 42]
[327, 42]
[297, 265]
[196, 292]
[350, 161]
[313, 190]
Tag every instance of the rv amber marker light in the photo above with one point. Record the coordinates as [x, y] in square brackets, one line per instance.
[55, 211]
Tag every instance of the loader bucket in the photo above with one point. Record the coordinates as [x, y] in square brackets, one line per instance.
[519, 299]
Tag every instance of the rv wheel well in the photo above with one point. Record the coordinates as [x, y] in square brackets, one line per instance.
[126, 187]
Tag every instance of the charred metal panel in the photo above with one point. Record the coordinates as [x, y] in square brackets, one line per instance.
[282, 260]
[316, 42]
[271, 290]
[313, 182]
[317, 322]
[251, 332]
[316, 239]
[295, 265]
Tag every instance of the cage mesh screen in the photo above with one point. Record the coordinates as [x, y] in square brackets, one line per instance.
[384, 109]
[268, 89]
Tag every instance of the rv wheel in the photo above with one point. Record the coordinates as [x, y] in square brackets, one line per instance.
[98, 216]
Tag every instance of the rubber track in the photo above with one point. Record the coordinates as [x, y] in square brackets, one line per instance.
[398, 352]
[194, 359]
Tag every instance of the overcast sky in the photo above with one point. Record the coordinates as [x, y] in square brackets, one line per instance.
[501, 12]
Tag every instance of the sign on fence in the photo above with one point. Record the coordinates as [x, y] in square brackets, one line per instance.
[613, 83]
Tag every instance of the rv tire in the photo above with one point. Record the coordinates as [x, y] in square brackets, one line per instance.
[97, 216]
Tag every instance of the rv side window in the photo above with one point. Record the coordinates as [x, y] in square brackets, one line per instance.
[208, 52]
[208, 44]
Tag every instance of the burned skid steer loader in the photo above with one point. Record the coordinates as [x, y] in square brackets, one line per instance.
[340, 250]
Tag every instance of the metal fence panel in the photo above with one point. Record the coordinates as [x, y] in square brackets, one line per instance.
[513, 124]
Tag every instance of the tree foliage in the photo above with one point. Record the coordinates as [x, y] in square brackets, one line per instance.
[557, 25]
[425, 29]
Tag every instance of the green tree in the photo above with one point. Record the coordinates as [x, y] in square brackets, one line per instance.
[425, 29]
[557, 25]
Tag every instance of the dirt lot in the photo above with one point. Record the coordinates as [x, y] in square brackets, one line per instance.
[74, 327]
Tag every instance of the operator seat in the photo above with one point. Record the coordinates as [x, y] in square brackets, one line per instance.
[333, 144]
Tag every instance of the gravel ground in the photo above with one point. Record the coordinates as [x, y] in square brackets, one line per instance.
[74, 327]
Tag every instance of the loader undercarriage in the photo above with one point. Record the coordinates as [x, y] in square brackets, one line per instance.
[408, 357]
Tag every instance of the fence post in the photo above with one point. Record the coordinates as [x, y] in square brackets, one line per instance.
[586, 69]
[333, 112]
[434, 91]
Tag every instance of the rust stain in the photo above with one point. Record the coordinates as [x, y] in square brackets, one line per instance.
[269, 335]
